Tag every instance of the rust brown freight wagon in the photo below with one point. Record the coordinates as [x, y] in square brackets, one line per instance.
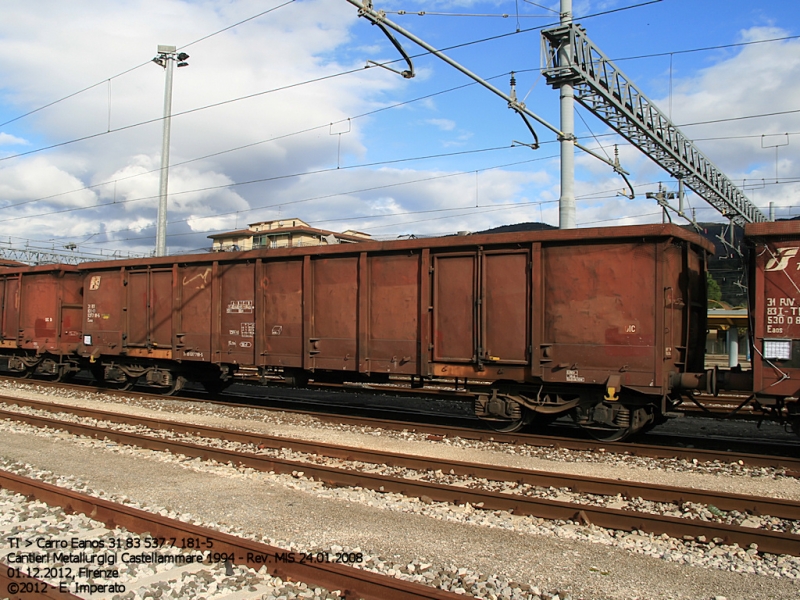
[40, 319]
[601, 323]
[775, 317]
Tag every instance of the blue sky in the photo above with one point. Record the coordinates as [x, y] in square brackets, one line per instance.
[323, 139]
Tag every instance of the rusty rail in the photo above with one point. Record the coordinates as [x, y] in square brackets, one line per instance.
[355, 583]
[792, 465]
[767, 541]
[776, 507]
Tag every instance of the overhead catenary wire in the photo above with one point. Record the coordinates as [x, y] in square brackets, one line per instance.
[754, 116]
[282, 88]
[264, 180]
[250, 145]
[583, 198]
[139, 66]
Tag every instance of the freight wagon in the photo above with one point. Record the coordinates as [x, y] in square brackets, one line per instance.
[600, 323]
[41, 317]
[775, 318]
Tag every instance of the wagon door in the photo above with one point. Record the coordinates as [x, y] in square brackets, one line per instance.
[237, 313]
[332, 344]
[454, 308]
[480, 309]
[150, 309]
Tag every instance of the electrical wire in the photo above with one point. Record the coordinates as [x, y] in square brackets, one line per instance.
[125, 72]
[283, 88]
[581, 198]
[182, 113]
[250, 145]
[425, 13]
[264, 180]
[690, 124]
[772, 114]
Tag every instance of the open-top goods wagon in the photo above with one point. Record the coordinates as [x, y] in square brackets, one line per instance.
[597, 322]
[41, 318]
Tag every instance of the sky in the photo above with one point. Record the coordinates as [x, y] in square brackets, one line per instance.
[276, 116]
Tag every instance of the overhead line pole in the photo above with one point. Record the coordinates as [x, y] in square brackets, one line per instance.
[566, 204]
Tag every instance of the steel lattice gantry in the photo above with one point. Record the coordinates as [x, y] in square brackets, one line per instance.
[609, 94]
[42, 256]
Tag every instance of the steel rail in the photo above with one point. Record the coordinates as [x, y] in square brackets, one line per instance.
[775, 507]
[355, 583]
[791, 464]
[767, 541]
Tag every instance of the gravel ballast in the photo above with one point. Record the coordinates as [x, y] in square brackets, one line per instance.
[402, 535]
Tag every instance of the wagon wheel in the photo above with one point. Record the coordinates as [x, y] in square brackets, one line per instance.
[177, 385]
[606, 426]
[512, 425]
[24, 374]
[608, 434]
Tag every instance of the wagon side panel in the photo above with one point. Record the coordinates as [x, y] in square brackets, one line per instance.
[38, 321]
[10, 323]
[70, 304]
[105, 304]
[194, 313]
[505, 308]
[282, 325]
[334, 324]
[600, 312]
[393, 324]
[237, 313]
[454, 308]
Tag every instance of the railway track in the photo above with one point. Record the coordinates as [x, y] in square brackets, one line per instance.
[143, 535]
[560, 434]
[761, 453]
[487, 487]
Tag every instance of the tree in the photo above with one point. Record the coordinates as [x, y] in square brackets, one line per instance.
[714, 293]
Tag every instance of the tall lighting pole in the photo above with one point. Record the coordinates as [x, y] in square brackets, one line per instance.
[167, 55]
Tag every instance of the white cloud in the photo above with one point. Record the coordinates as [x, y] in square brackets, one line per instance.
[12, 140]
[292, 161]
[443, 124]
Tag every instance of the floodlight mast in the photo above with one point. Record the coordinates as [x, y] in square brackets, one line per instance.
[167, 55]
[568, 140]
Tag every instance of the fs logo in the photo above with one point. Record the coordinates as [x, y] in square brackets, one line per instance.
[780, 261]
